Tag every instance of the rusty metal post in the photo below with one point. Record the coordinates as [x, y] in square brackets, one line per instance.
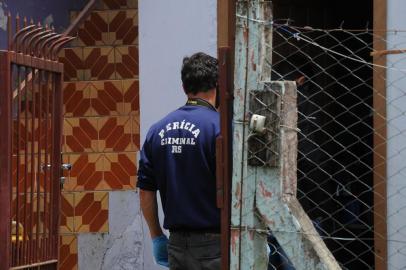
[26, 169]
[5, 160]
[56, 159]
[225, 43]
[9, 31]
[223, 152]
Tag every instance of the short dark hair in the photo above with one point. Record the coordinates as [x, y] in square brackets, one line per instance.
[199, 73]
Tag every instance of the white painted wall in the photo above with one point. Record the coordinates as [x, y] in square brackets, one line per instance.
[168, 31]
[396, 109]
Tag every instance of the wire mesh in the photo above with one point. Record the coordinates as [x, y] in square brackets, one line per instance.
[351, 146]
[341, 170]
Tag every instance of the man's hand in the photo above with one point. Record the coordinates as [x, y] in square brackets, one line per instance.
[159, 240]
[160, 250]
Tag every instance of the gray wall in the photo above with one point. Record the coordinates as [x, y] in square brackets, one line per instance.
[396, 115]
[169, 30]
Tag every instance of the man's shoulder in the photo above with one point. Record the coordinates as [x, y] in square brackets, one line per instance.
[202, 115]
[163, 121]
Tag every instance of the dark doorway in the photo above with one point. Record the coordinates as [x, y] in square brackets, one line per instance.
[335, 103]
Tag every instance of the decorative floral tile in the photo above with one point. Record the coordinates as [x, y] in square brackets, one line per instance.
[135, 134]
[91, 211]
[116, 134]
[81, 135]
[101, 172]
[126, 58]
[68, 252]
[123, 27]
[76, 99]
[131, 97]
[67, 213]
[120, 170]
[99, 63]
[73, 61]
[96, 98]
[86, 173]
[106, 98]
[117, 4]
[94, 31]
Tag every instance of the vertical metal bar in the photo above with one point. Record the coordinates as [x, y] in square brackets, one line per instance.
[17, 28]
[45, 166]
[224, 152]
[9, 31]
[18, 192]
[226, 10]
[25, 212]
[47, 176]
[56, 167]
[32, 190]
[9, 41]
[39, 102]
[5, 160]
[380, 136]
[48, 161]
[17, 23]
[51, 176]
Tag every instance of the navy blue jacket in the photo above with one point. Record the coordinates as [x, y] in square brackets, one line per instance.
[178, 159]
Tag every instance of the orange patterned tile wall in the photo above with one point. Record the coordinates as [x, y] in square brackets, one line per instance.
[101, 120]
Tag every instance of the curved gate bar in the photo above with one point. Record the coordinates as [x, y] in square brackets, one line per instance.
[18, 34]
[27, 36]
[63, 39]
[48, 44]
[40, 40]
[59, 46]
[29, 237]
[33, 41]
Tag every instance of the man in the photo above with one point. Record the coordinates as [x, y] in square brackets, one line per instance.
[178, 159]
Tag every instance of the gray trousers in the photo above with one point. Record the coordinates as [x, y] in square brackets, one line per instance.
[194, 251]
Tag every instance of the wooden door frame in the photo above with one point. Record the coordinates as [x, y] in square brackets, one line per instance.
[380, 137]
[225, 35]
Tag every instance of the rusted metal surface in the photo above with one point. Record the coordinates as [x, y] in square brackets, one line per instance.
[30, 113]
[264, 196]
[223, 151]
[56, 162]
[381, 122]
[225, 41]
[5, 161]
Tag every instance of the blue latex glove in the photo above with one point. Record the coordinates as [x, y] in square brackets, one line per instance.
[160, 250]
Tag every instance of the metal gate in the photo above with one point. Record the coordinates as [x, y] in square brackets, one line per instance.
[30, 146]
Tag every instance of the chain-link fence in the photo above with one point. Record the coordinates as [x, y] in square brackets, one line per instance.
[351, 139]
[351, 149]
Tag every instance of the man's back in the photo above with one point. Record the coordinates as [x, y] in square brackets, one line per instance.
[178, 158]
[182, 146]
